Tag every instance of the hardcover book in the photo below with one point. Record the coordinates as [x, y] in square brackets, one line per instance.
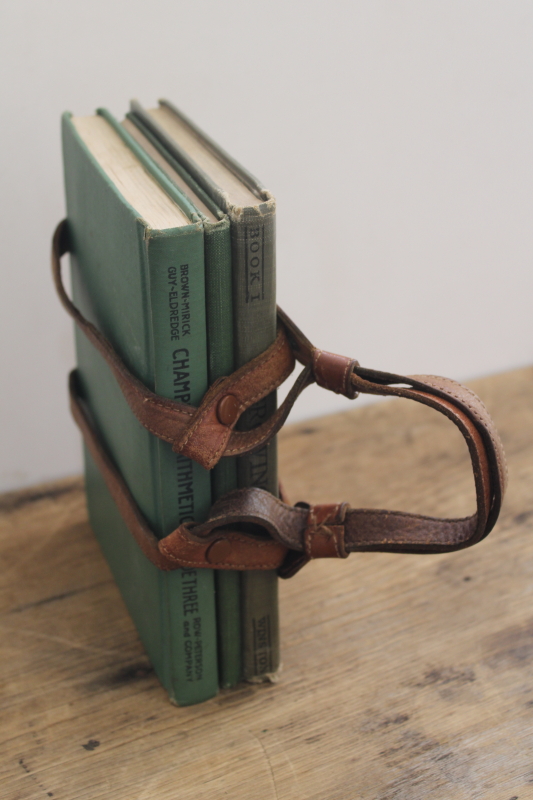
[137, 262]
[219, 311]
[251, 211]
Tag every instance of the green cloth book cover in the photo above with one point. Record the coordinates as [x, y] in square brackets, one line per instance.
[251, 211]
[219, 312]
[144, 288]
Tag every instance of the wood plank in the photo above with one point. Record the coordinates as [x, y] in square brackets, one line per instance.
[403, 676]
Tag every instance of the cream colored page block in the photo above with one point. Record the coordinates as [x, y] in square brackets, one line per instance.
[239, 195]
[174, 176]
[120, 164]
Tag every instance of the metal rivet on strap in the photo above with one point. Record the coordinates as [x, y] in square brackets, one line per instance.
[218, 551]
[228, 409]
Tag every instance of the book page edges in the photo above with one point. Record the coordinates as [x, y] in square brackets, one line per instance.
[138, 189]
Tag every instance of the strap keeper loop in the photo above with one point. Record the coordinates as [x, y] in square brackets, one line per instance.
[324, 532]
[334, 372]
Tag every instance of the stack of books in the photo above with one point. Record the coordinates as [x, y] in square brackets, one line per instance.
[173, 259]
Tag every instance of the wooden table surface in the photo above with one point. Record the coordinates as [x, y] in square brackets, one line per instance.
[404, 677]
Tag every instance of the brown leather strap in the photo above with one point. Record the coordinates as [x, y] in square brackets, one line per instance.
[323, 536]
[206, 434]
[334, 531]
[368, 529]
[181, 548]
[310, 532]
[289, 536]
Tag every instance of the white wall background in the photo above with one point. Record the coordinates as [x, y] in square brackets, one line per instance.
[396, 135]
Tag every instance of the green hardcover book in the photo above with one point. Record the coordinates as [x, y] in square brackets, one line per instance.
[138, 274]
[251, 210]
[219, 310]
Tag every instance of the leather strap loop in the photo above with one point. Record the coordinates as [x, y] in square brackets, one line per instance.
[219, 549]
[323, 536]
[334, 372]
[288, 536]
[198, 433]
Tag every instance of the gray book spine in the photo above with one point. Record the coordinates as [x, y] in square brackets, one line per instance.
[254, 303]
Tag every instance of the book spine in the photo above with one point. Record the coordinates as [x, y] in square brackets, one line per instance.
[119, 281]
[254, 294]
[219, 305]
[219, 308]
[177, 298]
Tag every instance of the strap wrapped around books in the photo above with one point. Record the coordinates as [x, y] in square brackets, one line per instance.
[294, 534]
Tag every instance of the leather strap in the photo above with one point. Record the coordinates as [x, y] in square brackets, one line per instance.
[204, 434]
[181, 548]
[288, 536]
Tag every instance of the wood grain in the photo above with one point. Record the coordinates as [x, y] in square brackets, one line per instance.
[404, 677]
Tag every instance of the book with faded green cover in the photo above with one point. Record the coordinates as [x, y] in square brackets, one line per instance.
[251, 211]
[137, 258]
[219, 311]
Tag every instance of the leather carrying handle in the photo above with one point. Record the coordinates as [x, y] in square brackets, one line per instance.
[294, 534]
